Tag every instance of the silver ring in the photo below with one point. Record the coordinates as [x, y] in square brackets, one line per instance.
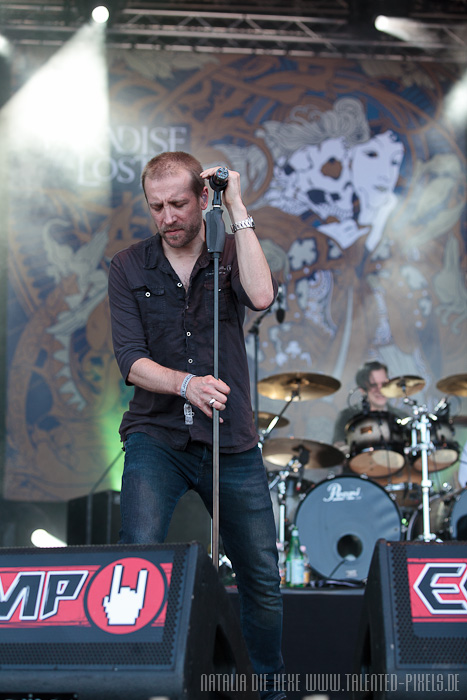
[212, 402]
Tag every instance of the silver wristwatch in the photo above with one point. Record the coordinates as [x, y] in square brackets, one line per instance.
[246, 223]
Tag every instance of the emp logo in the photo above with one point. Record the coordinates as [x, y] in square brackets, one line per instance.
[123, 597]
[438, 590]
[37, 594]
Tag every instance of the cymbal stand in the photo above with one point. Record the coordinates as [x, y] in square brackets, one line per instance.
[425, 447]
[281, 499]
[254, 330]
[294, 395]
[275, 421]
[281, 481]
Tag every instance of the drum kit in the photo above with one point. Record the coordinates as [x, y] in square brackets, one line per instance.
[384, 491]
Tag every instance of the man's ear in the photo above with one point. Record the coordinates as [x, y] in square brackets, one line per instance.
[204, 198]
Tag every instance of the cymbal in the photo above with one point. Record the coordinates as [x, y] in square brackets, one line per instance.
[280, 451]
[455, 384]
[297, 385]
[399, 387]
[265, 418]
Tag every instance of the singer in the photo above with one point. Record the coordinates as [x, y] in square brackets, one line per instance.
[161, 301]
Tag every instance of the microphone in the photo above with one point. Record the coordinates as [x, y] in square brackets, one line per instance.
[219, 180]
[280, 310]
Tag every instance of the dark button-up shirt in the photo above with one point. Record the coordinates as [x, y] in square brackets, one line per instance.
[154, 317]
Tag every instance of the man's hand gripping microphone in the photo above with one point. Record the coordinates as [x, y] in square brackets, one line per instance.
[219, 180]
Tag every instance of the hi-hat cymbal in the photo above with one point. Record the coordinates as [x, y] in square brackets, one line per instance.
[280, 451]
[297, 385]
[399, 387]
[264, 420]
[455, 384]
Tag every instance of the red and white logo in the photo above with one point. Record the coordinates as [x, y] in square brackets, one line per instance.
[438, 590]
[126, 595]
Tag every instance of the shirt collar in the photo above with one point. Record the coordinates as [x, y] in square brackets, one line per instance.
[154, 254]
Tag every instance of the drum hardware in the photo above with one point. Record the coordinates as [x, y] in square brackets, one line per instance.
[284, 477]
[311, 453]
[377, 443]
[268, 421]
[298, 386]
[421, 426]
[445, 450]
[340, 519]
[294, 386]
[448, 513]
[402, 387]
[455, 384]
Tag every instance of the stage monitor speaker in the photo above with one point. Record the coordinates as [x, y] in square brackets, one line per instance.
[119, 622]
[94, 519]
[412, 640]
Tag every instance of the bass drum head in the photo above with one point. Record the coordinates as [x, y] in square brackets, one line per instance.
[448, 517]
[340, 521]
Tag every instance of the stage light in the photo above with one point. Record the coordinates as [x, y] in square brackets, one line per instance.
[100, 14]
[42, 538]
[455, 104]
[403, 28]
[5, 47]
[382, 23]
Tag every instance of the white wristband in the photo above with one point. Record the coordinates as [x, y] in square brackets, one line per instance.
[185, 383]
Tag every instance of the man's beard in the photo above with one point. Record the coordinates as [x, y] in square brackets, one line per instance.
[190, 231]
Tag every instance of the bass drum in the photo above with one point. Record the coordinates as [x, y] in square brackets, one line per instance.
[340, 521]
[448, 517]
[377, 442]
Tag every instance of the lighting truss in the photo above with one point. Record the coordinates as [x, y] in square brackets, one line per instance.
[313, 28]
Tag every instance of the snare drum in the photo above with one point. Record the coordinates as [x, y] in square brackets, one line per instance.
[339, 522]
[377, 441]
[448, 517]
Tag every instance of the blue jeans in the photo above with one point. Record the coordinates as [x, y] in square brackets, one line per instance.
[155, 477]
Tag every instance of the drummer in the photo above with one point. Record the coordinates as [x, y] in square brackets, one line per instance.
[369, 379]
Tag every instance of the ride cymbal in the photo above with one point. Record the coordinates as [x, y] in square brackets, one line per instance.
[455, 384]
[293, 386]
[312, 454]
[265, 419]
[399, 387]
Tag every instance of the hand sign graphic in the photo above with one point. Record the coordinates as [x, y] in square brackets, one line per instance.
[123, 604]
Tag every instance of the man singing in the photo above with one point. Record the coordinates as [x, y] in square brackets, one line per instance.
[161, 293]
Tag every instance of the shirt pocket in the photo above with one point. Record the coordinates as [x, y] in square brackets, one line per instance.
[226, 305]
[152, 304]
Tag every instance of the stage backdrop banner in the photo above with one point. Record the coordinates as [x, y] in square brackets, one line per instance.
[354, 172]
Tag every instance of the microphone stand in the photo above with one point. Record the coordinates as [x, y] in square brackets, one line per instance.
[215, 239]
[255, 331]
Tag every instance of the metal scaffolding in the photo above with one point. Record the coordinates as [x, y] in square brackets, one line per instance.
[326, 28]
